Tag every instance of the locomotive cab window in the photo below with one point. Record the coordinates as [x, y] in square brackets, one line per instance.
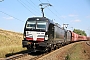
[31, 24]
[41, 25]
[36, 24]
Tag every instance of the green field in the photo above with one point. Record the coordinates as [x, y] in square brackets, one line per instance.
[10, 42]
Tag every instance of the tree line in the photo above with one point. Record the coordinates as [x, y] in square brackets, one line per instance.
[80, 32]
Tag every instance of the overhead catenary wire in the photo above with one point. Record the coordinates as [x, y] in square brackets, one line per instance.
[30, 3]
[33, 4]
[29, 6]
[40, 1]
[54, 8]
[53, 12]
[11, 16]
[26, 7]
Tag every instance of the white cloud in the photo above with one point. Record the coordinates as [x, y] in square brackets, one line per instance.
[72, 15]
[8, 18]
[77, 20]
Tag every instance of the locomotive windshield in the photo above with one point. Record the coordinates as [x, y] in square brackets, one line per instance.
[31, 24]
[36, 24]
[41, 25]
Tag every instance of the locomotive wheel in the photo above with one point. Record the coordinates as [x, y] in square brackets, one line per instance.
[55, 47]
[28, 47]
[58, 45]
[50, 48]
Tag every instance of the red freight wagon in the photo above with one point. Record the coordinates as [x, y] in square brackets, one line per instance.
[74, 36]
[80, 37]
[84, 37]
[88, 38]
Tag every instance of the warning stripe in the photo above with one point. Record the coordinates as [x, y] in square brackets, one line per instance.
[28, 38]
[40, 39]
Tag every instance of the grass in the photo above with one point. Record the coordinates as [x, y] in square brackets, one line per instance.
[4, 51]
[10, 42]
[75, 53]
[67, 57]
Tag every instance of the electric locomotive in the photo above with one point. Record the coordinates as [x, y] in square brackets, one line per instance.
[42, 34]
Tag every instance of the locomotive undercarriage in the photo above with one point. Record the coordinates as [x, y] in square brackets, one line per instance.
[35, 48]
[41, 46]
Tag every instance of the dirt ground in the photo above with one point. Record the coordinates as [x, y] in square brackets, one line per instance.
[74, 51]
[86, 48]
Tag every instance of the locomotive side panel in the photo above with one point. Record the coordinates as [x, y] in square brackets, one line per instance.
[68, 36]
[59, 34]
[51, 32]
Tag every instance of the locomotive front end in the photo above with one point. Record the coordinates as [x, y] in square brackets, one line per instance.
[35, 32]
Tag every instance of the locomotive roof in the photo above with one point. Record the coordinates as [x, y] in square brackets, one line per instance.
[42, 18]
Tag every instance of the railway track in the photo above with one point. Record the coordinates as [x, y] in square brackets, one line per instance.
[25, 56]
[17, 56]
[88, 43]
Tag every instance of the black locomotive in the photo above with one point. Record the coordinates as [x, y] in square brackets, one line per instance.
[42, 34]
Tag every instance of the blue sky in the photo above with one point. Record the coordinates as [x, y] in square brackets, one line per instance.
[76, 13]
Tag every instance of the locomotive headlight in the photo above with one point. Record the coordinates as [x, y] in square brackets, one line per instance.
[46, 37]
[27, 32]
